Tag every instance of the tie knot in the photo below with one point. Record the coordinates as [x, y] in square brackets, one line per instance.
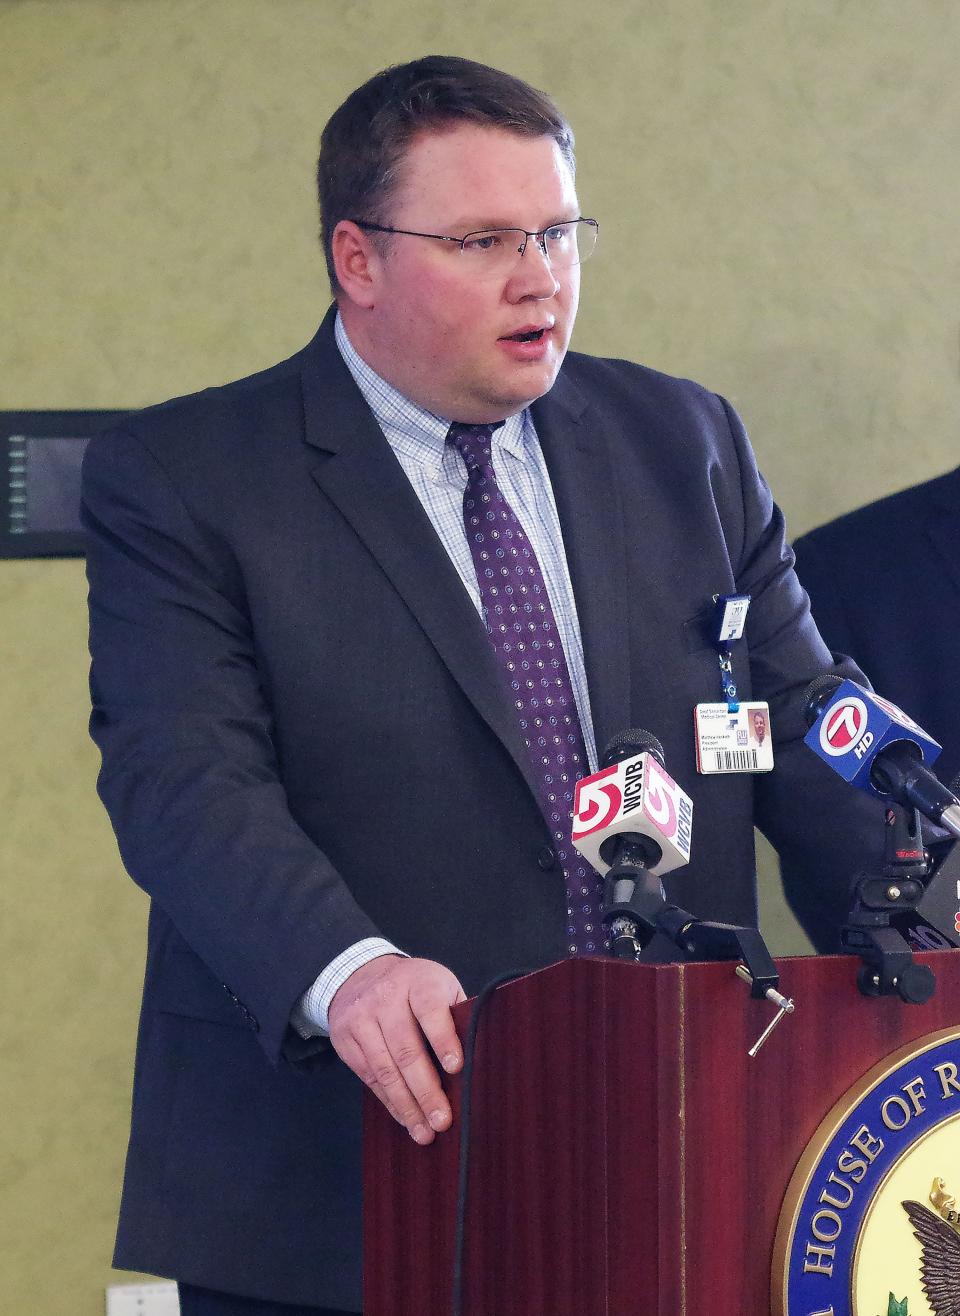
[473, 442]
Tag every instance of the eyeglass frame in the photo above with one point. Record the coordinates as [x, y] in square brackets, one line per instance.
[540, 234]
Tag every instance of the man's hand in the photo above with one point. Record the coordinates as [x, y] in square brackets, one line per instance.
[378, 1019]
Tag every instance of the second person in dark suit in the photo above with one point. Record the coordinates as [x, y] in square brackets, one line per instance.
[884, 586]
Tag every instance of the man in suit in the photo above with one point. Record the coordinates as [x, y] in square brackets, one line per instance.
[357, 624]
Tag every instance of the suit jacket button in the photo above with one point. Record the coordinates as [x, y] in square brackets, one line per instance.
[546, 859]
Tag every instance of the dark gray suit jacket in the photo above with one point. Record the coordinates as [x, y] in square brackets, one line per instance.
[305, 742]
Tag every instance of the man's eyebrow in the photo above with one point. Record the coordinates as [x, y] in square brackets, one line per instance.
[472, 225]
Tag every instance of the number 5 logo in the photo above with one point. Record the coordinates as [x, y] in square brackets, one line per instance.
[596, 803]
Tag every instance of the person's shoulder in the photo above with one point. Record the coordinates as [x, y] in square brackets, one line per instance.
[215, 419]
[232, 405]
[628, 386]
[587, 369]
[880, 525]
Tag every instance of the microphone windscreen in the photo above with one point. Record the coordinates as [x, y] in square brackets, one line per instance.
[630, 743]
[818, 694]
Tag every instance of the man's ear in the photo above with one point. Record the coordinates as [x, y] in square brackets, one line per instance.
[357, 263]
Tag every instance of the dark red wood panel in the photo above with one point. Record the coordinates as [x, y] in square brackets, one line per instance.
[628, 1156]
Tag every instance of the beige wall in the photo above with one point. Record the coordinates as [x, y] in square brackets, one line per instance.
[778, 191]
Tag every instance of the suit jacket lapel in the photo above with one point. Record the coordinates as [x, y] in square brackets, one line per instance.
[586, 488]
[359, 473]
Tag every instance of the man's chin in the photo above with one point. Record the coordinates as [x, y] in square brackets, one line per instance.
[523, 387]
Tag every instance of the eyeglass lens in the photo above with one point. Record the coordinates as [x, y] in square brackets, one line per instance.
[563, 244]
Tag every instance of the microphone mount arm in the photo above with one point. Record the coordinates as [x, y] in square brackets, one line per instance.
[635, 907]
[888, 965]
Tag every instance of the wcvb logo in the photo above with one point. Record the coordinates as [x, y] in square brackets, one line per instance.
[596, 802]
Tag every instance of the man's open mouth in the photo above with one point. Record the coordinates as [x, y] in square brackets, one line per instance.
[531, 336]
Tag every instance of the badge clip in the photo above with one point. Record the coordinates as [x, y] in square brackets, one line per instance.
[727, 626]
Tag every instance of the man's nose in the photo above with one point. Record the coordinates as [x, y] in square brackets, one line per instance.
[533, 275]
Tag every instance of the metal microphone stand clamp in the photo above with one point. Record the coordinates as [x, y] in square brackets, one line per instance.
[635, 907]
[888, 967]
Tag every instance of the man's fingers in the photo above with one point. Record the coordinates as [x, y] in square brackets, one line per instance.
[437, 1024]
[406, 1046]
[351, 1053]
[386, 1063]
[382, 1020]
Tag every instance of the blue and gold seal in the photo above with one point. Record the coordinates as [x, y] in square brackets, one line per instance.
[870, 1225]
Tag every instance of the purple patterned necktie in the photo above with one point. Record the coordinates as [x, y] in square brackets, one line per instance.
[525, 639]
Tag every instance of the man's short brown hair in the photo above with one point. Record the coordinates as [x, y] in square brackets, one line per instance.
[363, 144]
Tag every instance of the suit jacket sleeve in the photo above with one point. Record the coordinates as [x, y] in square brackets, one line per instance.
[825, 832]
[190, 776]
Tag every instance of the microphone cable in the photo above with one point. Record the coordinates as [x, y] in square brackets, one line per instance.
[466, 1104]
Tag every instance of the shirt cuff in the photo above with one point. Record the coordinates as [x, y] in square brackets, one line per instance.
[309, 1016]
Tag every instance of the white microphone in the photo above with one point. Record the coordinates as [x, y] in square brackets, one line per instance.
[633, 797]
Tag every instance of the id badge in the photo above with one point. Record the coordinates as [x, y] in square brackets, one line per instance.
[733, 742]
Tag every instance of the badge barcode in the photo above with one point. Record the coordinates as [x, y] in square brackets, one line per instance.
[736, 760]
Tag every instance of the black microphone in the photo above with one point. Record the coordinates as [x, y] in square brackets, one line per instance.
[877, 748]
[634, 848]
[642, 832]
[902, 907]
[633, 894]
[631, 811]
[628, 743]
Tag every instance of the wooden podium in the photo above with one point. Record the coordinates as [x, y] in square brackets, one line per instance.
[627, 1154]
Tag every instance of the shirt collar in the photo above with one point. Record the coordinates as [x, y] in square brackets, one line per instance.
[418, 432]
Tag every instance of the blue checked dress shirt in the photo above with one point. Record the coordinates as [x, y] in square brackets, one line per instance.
[438, 475]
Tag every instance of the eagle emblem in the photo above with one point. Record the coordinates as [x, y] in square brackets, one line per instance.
[938, 1233]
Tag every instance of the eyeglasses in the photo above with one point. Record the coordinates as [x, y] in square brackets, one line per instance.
[496, 250]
